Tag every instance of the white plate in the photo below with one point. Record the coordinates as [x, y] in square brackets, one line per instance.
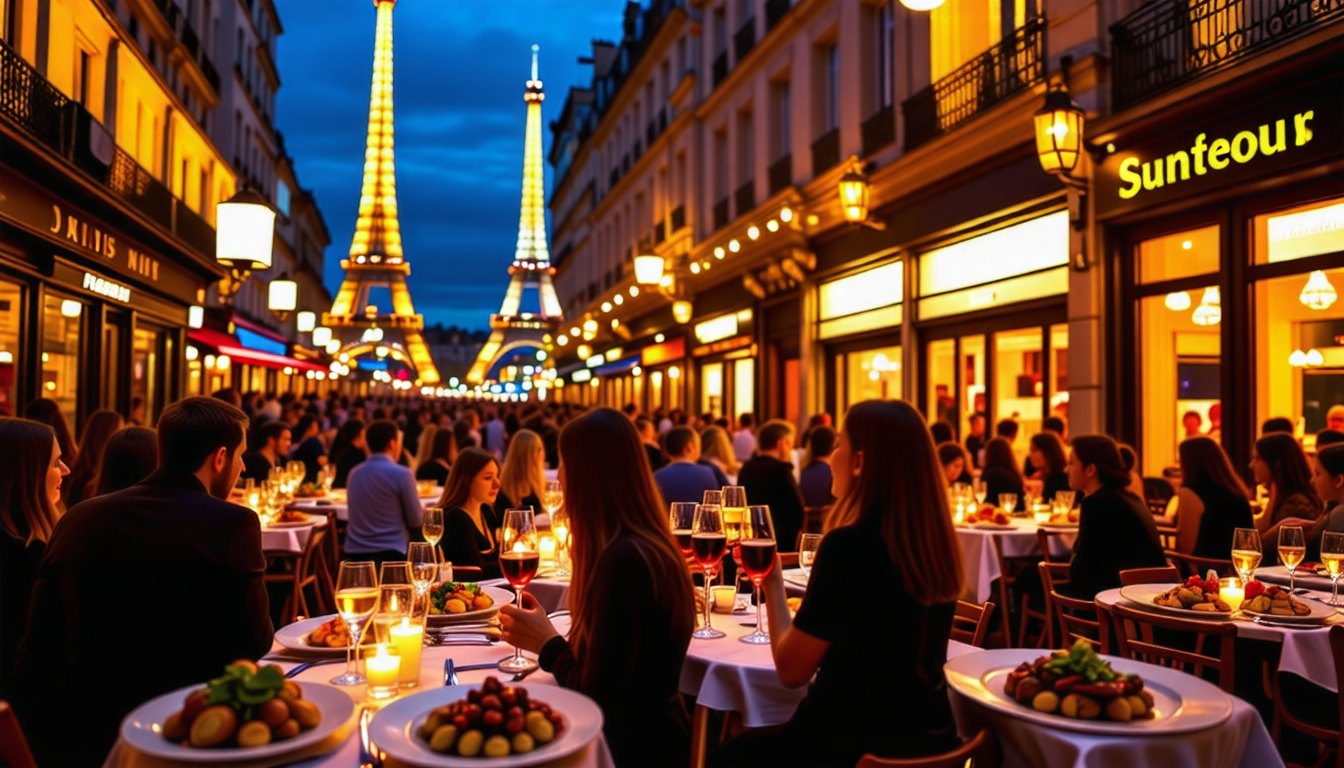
[1141, 596]
[295, 637]
[394, 728]
[141, 728]
[1058, 526]
[1182, 702]
[305, 522]
[501, 597]
[986, 525]
[1319, 613]
[1277, 574]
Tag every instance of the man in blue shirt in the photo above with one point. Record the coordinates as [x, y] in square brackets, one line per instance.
[383, 501]
[683, 479]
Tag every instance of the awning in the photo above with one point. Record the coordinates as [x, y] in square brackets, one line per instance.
[224, 344]
[620, 366]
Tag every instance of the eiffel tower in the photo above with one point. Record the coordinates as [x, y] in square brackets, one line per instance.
[376, 259]
[531, 268]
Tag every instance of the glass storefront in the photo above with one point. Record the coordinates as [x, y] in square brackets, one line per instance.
[62, 326]
[872, 374]
[11, 334]
[145, 363]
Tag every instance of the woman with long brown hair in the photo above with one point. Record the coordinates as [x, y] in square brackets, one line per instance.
[1000, 472]
[1212, 502]
[1279, 464]
[30, 491]
[523, 477]
[131, 455]
[716, 451]
[98, 429]
[631, 596]
[889, 530]
[470, 525]
[44, 410]
[442, 454]
[1048, 455]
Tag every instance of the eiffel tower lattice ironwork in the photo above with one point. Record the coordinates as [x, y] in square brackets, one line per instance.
[376, 259]
[511, 328]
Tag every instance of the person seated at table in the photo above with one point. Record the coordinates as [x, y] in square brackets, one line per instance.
[955, 464]
[1000, 473]
[630, 596]
[1129, 459]
[98, 428]
[1116, 531]
[131, 455]
[649, 437]
[889, 530]
[163, 578]
[768, 479]
[1279, 464]
[1048, 456]
[942, 432]
[350, 449]
[384, 503]
[272, 440]
[442, 452]
[815, 479]
[310, 449]
[684, 479]
[716, 452]
[522, 479]
[1212, 501]
[470, 525]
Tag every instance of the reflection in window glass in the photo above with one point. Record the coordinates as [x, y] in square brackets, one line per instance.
[1299, 345]
[1019, 382]
[1059, 371]
[1183, 254]
[1179, 388]
[942, 378]
[11, 318]
[60, 352]
[873, 374]
[711, 388]
[744, 387]
[972, 382]
[1309, 230]
[145, 373]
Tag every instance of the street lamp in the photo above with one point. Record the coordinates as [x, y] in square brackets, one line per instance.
[321, 336]
[1059, 131]
[282, 297]
[305, 321]
[682, 310]
[854, 193]
[244, 238]
[921, 5]
[648, 269]
[195, 316]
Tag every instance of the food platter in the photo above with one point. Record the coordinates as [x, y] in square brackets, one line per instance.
[500, 596]
[294, 637]
[1141, 596]
[304, 523]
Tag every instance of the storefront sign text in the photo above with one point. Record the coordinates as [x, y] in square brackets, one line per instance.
[107, 288]
[99, 243]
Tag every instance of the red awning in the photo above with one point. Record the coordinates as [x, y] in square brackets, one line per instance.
[224, 344]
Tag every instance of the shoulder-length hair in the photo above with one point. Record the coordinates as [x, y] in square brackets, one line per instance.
[1203, 461]
[46, 411]
[714, 444]
[1103, 453]
[1052, 448]
[1288, 469]
[26, 511]
[425, 449]
[999, 453]
[98, 429]
[594, 448]
[132, 454]
[444, 447]
[457, 489]
[902, 490]
[524, 467]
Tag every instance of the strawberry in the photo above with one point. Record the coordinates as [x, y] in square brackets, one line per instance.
[1211, 586]
[1253, 589]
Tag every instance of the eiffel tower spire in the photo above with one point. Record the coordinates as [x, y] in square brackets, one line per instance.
[377, 232]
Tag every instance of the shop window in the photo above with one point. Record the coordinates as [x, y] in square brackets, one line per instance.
[1182, 349]
[873, 374]
[866, 301]
[1299, 345]
[744, 387]
[711, 388]
[1310, 230]
[61, 333]
[942, 378]
[655, 390]
[1019, 378]
[1059, 371]
[11, 332]
[145, 361]
[1183, 254]
[1018, 263]
[971, 359]
[960, 30]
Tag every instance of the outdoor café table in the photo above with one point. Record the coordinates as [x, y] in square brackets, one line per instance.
[290, 538]
[982, 561]
[553, 592]
[336, 501]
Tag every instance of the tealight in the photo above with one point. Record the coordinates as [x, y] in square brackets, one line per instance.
[725, 597]
[546, 546]
[1231, 592]
[408, 638]
[382, 671]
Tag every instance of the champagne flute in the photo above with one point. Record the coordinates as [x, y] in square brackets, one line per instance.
[734, 514]
[683, 517]
[709, 543]
[1292, 551]
[519, 556]
[431, 526]
[424, 565]
[756, 554]
[1332, 556]
[1246, 553]
[979, 488]
[807, 552]
[552, 499]
[356, 597]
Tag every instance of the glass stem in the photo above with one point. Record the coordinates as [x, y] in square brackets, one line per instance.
[352, 653]
[1334, 590]
[1292, 580]
[709, 577]
[760, 598]
[518, 652]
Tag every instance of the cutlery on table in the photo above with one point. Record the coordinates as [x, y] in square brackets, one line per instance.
[314, 663]
[1284, 624]
[369, 756]
[522, 675]
[449, 673]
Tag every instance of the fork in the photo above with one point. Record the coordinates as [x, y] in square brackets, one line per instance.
[523, 675]
[369, 756]
[449, 673]
[316, 662]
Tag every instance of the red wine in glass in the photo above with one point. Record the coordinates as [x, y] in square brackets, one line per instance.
[757, 558]
[683, 536]
[519, 567]
[709, 548]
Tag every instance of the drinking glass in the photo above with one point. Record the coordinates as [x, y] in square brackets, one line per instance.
[327, 476]
[734, 513]
[431, 526]
[683, 517]
[713, 497]
[708, 543]
[1065, 499]
[756, 555]
[1246, 553]
[520, 554]
[395, 602]
[1292, 550]
[807, 552]
[424, 564]
[560, 530]
[553, 497]
[356, 597]
[979, 488]
[1008, 501]
[1332, 556]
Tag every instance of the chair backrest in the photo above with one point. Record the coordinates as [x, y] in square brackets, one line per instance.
[1189, 565]
[1046, 538]
[1138, 641]
[1164, 575]
[1077, 618]
[13, 746]
[970, 750]
[970, 623]
[788, 559]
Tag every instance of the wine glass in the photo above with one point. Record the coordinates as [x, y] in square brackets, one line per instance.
[356, 597]
[424, 565]
[519, 556]
[1246, 553]
[756, 555]
[713, 497]
[395, 602]
[431, 526]
[734, 512]
[1065, 499]
[807, 552]
[708, 543]
[553, 497]
[1332, 556]
[1292, 550]
[979, 488]
[683, 517]
[327, 476]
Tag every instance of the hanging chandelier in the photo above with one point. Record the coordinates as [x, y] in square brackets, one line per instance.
[1318, 293]
[1210, 310]
[1178, 301]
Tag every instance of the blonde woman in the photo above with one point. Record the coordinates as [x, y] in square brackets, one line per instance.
[424, 453]
[523, 478]
[716, 451]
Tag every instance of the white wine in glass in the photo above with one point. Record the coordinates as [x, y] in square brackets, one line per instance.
[1332, 556]
[356, 597]
[1292, 551]
[807, 552]
[1246, 553]
[431, 525]
[424, 570]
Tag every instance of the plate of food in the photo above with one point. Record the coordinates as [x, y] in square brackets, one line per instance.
[293, 518]
[1276, 603]
[454, 601]
[1080, 690]
[1195, 598]
[498, 725]
[310, 491]
[248, 713]
[1067, 520]
[991, 518]
[326, 635]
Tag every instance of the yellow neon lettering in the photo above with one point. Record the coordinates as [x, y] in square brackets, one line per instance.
[1301, 131]
[1268, 147]
[1176, 158]
[1218, 154]
[1128, 176]
[1244, 147]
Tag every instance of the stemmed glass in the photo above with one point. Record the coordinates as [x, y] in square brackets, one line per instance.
[1292, 551]
[356, 598]
[553, 499]
[519, 557]
[683, 518]
[756, 555]
[708, 543]
[431, 527]
[394, 604]
[327, 476]
[424, 566]
[1008, 501]
[734, 517]
[1246, 553]
[807, 552]
[1332, 556]
[979, 488]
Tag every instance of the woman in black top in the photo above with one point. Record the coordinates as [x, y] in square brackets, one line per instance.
[523, 476]
[631, 597]
[1279, 464]
[131, 455]
[470, 525]
[1116, 531]
[441, 455]
[350, 450]
[891, 531]
[1213, 501]
[956, 467]
[1000, 473]
[44, 410]
[1048, 456]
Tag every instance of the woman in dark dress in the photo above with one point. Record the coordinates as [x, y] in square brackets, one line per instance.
[1048, 456]
[30, 489]
[890, 531]
[1278, 463]
[631, 597]
[350, 450]
[1213, 501]
[1116, 531]
[1000, 472]
[441, 456]
[470, 526]
[98, 428]
[44, 410]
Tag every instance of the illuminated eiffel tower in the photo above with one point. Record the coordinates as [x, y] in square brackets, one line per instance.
[531, 268]
[376, 259]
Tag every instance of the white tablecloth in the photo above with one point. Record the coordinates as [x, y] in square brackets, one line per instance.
[337, 502]
[982, 561]
[289, 538]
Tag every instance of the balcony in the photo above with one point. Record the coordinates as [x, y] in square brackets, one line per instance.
[1014, 63]
[826, 151]
[744, 39]
[1166, 43]
[745, 198]
[721, 214]
[775, 11]
[678, 218]
[720, 68]
[879, 130]
[32, 103]
[781, 173]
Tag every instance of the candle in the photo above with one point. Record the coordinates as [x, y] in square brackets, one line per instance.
[547, 547]
[725, 596]
[408, 638]
[1232, 593]
[382, 670]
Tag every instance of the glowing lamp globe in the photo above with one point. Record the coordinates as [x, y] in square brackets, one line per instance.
[854, 197]
[648, 269]
[245, 231]
[1059, 132]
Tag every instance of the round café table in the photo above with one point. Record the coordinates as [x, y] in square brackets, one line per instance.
[336, 500]
[980, 556]
[290, 539]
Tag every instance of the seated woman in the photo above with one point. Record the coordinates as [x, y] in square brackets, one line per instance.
[631, 595]
[1213, 501]
[470, 526]
[98, 428]
[1116, 531]
[131, 455]
[716, 452]
[815, 479]
[1278, 463]
[1000, 472]
[891, 531]
[309, 448]
[350, 449]
[523, 479]
[955, 464]
[1048, 456]
[442, 452]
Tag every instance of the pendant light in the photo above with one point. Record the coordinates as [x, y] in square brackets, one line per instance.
[1178, 301]
[1318, 293]
[1209, 311]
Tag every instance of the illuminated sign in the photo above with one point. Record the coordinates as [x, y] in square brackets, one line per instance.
[721, 327]
[581, 375]
[104, 287]
[663, 353]
[595, 361]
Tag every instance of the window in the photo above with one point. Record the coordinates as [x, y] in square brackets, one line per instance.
[960, 30]
[744, 387]
[885, 31]
[783, 115]
[711, 388]
[720, 31]
[720, 164]
[1182, 348]
[61, 327]
[11, 336]
[1183, 254]
[1309, 230]
[83, 72]
[145, 359]
[746, 155]
[831, 88]
[873, 374]
[282, 197]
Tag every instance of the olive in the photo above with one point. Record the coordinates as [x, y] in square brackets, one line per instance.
[287, 730]
[469, 744]
[173, 727]
[432, 722]
[1045, 701]
[443, 738]
[492, 718]
[497, 746]
[193, 705]
[213, 726]
[254, 733]
[306, 713]
[523, 742]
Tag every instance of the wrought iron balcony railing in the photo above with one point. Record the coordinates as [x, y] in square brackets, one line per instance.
[826, 151]
[781, 173]
[720, 68]
[32, 103]
[879, 130]
[721, 214]
[678, 218]
[744, 39]
[1166, 43]
[1014, 63]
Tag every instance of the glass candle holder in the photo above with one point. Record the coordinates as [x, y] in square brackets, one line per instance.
[1232, 593]
[383, 671]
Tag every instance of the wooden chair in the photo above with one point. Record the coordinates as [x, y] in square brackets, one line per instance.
[1283, 716]
[1045, 539]
[13, 746]
[969, 753]
[1189, 565]
[1166, 534]
[1134, 631]
[331, 563]
[1078, 619]
[1009, 569]
[301, 574]
[1165, 575]
[1157, 491]
[970, 623]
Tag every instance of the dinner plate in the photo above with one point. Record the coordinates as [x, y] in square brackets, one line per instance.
[1181, 702]
[1058, 526]
[1319, 613]
[501, 596]
[141, 729]
[1141, 596]
[306, 521]
[986, 525]
[796, 577]
[1277, 574]
[394, 728]
[295, 637]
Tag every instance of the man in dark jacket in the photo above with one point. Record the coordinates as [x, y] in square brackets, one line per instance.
[145, 590]
[768, 479]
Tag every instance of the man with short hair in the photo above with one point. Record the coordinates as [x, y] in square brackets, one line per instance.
[768, 479]
[163, 578]
[975, 441]
[647, 435]
[683, 479]
[744, 442]
[273, 439]
[383, 500]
